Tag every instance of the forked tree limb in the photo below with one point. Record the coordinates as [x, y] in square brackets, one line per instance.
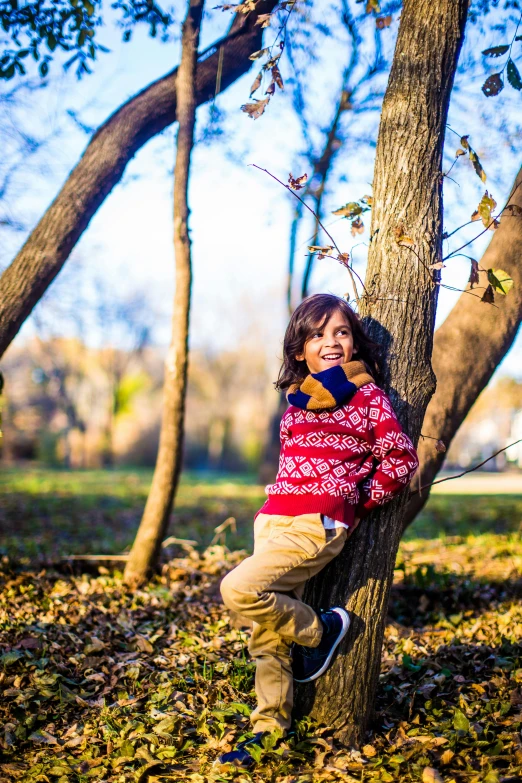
[103, 163]
[468, 347]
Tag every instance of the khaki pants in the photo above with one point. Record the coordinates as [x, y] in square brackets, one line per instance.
[267, 588]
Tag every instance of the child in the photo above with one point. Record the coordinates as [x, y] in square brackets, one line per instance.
[343, 453]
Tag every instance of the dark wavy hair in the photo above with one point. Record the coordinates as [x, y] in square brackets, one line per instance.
[312, 314]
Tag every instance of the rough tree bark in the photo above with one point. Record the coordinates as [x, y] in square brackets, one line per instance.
[102, 165]
[476, 337]
[154, 523]
[407, 200]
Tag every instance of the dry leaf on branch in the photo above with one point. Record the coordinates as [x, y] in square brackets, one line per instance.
[276, 76]
[324, 249]
[256, 83]
[357, 227]
[264, 20]
[493, 85]
[483, 212]
[255, 109]
[488, 296]
[297, 183]
[258, 54]
[500, 280]
[402, 239]
[383, 21]
[474, 273]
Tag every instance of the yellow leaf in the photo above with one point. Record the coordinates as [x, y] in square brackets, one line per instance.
[369, 751]
[430, 775]
[500, 280]
[404, 240]
[447, 756]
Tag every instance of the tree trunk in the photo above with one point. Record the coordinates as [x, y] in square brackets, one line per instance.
[476, 336]
[408, 201]
[102, 165]
[154, 524]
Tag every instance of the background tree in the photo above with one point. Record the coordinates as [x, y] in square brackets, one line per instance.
[153, 526]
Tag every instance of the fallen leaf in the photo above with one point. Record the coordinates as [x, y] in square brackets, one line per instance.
[43, 737]
[430, 775]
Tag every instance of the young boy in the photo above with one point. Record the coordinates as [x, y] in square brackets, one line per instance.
[343, 453]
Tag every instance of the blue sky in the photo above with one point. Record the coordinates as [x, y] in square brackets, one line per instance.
[240, 217]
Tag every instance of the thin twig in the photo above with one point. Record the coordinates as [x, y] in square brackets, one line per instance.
[351, 272]
[330, 237]
[283, 27]
[471, 470]
[487, 227]
[458, 229]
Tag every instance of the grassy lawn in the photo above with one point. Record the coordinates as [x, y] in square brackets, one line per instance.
[100, 684]
[49, 513]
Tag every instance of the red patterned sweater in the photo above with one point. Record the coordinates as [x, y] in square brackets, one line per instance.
[341, 462]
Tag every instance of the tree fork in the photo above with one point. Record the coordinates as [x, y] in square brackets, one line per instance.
[154, 524]
[103, 163]
[407, 201]
[472, 329]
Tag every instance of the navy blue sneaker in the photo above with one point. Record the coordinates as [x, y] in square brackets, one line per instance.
[308, 663]
[240, 756]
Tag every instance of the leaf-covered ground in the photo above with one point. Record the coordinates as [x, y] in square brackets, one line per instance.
[101, 685]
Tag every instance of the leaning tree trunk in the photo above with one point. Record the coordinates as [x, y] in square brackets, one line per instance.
[476, 336]
[153, 526]
[102, 164]
[408, 202]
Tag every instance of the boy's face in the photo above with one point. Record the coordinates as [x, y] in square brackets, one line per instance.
[328, 346]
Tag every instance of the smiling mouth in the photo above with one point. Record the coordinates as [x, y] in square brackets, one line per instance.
[332, 357]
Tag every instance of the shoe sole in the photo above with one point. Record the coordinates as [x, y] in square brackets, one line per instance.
[345, 617]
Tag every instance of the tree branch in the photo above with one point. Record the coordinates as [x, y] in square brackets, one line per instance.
[468, 347]
[465, 472]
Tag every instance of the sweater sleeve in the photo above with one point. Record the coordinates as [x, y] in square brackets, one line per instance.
[394, 452]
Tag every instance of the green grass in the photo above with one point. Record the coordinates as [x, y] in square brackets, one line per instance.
[45, 514]
[51, 513]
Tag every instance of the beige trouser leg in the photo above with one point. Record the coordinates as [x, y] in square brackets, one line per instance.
[267, 588]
